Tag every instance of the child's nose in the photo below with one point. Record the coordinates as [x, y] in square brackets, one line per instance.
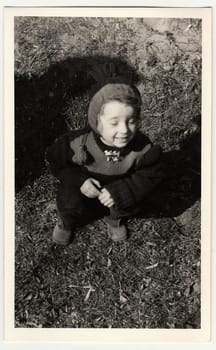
[123, 128]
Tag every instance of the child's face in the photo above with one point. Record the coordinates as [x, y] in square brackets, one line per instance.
[117, 124]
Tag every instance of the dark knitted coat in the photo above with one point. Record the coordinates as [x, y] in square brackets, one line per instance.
[130, 175]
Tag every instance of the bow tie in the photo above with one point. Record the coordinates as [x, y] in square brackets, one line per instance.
[112, 156]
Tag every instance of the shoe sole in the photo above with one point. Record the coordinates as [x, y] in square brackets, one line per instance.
[60, 242]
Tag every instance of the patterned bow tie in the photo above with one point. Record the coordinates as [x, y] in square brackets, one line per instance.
[112, 156]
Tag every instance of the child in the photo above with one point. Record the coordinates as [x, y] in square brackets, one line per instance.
[110, 165]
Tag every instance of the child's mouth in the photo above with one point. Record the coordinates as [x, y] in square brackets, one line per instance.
[122, 139]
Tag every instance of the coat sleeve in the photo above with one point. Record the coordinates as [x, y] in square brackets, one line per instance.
[133, 188]
[59, 157]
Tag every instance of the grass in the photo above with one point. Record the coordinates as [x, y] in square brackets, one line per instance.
[153, 279]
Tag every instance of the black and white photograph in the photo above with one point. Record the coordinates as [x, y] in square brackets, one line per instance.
[108, 120]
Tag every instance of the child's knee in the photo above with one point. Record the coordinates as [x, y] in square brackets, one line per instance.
[69, 198]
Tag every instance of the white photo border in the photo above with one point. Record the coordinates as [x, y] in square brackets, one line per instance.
[17, 335]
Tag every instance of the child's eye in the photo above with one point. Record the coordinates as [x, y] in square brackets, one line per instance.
[114, 123]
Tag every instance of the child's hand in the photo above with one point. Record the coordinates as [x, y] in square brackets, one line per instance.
[90, 188]
[105, 198]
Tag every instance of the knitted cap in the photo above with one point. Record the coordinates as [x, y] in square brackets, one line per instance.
[112, 92]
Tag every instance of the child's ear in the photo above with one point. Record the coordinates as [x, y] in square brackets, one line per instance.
[98, 120]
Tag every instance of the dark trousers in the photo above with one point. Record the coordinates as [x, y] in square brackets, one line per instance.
[76, 209]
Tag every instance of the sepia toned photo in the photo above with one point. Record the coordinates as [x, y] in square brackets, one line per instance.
[108, 119]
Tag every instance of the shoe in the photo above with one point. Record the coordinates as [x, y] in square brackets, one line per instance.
[117, 232]
[61, 236]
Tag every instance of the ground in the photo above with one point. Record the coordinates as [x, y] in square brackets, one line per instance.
[153, 279]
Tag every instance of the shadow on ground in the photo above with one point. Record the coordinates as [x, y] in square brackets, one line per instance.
[39, 119]
[182, 185]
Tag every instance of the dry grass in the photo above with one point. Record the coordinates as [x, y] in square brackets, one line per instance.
[153, 279]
